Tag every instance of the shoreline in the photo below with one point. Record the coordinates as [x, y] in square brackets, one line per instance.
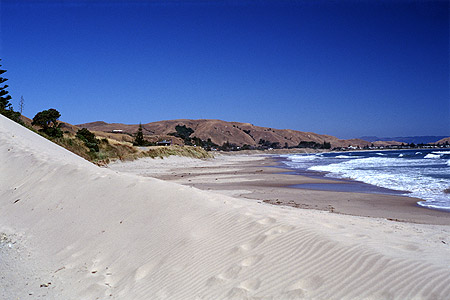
[353, 185]
[260, 178]
[312, 150]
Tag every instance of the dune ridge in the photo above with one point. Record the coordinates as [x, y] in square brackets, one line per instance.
[95, 233]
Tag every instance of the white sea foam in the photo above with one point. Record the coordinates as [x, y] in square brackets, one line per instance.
[347, 156]
[297, 160]
[406, 171]
[432, 155]
[411, 175]
[303, 158]
[441, 152]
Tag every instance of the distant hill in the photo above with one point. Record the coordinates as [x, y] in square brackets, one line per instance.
[444, 140]
[236, 133]
[407, 139]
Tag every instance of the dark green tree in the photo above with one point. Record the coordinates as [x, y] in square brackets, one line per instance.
[89, 139]
[6, 108]
[48, 121]
[4, 97]
[139, 138]
[184, 133]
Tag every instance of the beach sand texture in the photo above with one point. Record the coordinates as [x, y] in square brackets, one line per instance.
[72, 230]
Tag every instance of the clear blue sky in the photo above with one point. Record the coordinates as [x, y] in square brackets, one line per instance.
[345, 68]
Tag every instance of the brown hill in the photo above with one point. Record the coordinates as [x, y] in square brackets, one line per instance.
[221, 131]
[386, 143]
[444, 140]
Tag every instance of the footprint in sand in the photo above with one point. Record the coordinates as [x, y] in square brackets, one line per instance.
[77, 254]
[251, 260]
[238, 293]
[231, 273]
[252, 244]
[215, 280]
[144, 270]
[351, 235]
[296, 294]
[278, 230]
[250, 284]
[407, 247]
[266, 221]
[310, 283]
[244, 290]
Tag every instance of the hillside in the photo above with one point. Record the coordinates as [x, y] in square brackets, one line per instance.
[444, 140]
[407, 139]
[221, 132]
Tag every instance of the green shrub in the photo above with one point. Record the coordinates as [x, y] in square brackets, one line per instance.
[48, 121]
[89, 139]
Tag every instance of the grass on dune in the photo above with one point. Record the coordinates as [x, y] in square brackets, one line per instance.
[110, 150]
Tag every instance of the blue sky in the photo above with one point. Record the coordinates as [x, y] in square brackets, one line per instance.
[345, 68]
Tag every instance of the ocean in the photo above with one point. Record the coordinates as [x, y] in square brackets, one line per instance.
[423, 174]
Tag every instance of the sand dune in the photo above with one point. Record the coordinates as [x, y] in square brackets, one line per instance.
[72, 230]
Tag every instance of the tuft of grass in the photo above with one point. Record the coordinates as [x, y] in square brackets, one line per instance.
[106, 153]
[187, 151]
[73, 145]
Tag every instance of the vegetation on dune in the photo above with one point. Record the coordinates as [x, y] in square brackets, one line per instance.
[188, 151]
[106, 151]
[48, 121]
[103, 151]
[89, 139]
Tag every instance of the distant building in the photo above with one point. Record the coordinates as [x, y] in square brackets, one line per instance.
[164, 143]
[117, 131]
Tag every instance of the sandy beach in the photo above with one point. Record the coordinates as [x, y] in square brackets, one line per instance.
[258, 177]
[72, 230]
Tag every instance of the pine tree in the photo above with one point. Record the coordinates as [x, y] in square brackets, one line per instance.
[5, 106]
[139, 139]
[4, 97]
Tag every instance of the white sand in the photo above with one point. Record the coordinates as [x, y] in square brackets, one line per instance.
[94, 233]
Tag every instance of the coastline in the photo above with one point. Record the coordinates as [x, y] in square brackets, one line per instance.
[261, 178]
[104, 234]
